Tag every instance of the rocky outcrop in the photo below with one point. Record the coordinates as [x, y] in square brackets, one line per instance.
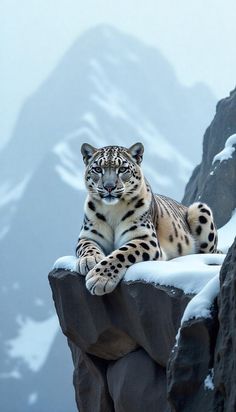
[202, 367]
[124, 346]
[214, 183]
[120, 343]
[191, 361]
[225, 351]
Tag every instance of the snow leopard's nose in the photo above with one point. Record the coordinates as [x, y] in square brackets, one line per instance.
[109, 187]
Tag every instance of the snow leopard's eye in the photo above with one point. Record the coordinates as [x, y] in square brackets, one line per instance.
[123, 169]
[97, 169]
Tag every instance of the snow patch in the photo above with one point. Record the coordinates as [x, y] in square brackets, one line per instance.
[67, 170]
[200, 305]
[208, 382]
[108, 97]
[228, 150]
[189, 273]
[34, 341]
[67, 263]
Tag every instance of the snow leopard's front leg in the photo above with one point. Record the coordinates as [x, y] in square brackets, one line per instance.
[104, 277]
[89, 253]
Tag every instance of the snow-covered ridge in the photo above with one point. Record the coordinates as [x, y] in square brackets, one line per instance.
[228, 150]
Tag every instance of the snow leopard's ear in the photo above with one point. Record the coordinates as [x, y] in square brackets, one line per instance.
[87, 152]
[136, 152]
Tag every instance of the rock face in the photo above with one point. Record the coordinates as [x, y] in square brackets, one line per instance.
[225, 351]
[124, 346]
[202, 368]
[214, 183]
[120, 343]
[190, 363]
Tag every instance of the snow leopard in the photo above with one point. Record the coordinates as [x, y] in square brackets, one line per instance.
[126, 223]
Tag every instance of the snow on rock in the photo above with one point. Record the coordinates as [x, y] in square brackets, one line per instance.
[228, 150]
[67, 263]
[227, 233]
[189, 273]
[200, 305]
[34, 340]
[208, 382]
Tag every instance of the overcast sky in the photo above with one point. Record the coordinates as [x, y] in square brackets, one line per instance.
[197, 36]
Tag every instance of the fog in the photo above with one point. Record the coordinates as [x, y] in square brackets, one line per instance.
[198, 38]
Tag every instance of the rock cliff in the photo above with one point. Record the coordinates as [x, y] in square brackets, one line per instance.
[124, 346]
[120, 343]
[201, 370]
[212, 181]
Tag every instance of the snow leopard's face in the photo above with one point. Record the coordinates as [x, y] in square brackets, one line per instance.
[112, 172]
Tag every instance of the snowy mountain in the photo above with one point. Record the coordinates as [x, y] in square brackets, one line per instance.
[108, 89]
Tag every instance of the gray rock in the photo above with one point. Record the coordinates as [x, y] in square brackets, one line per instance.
[116, 324]
[215, 184]
[225, 351]
[90, 383]
[130, 331]
[205, 345]
[189, 365]
[137, 384]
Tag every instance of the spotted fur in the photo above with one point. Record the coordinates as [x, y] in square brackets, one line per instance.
[125, 223]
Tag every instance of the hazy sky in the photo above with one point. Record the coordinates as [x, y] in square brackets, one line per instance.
[197, 36]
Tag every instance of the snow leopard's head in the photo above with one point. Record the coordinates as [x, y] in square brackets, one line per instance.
[113, 172]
